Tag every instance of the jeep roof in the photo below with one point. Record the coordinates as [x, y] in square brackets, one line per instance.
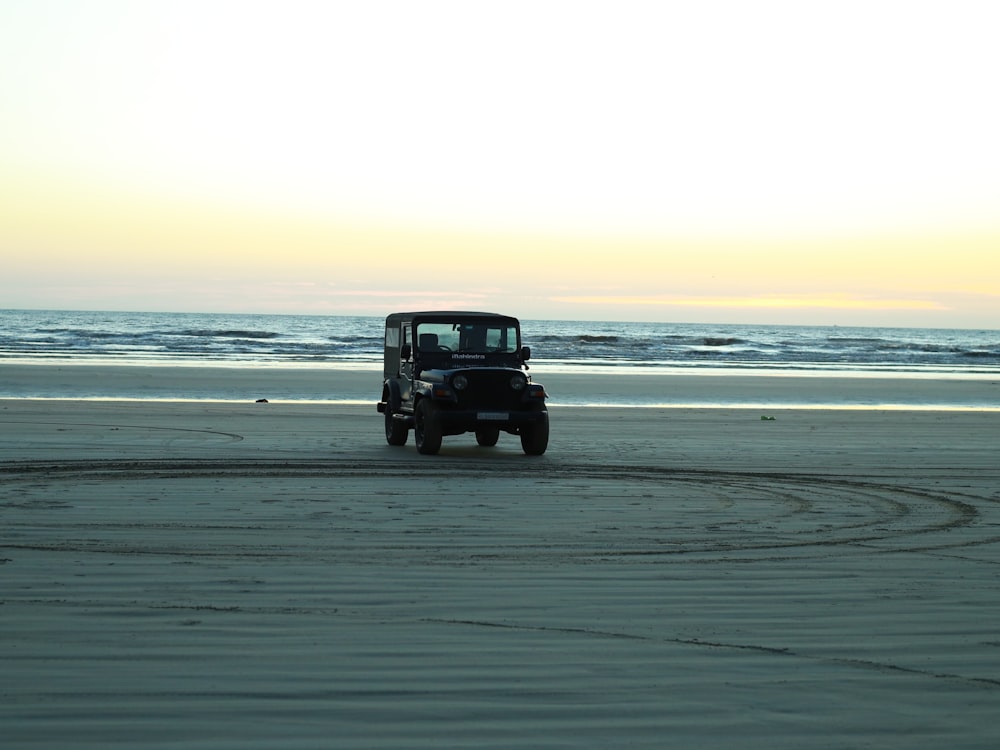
[395, 320]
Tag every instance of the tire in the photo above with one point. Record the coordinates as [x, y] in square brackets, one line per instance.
[427, 428]
[488, 436]
[396, 431]
[535, 437]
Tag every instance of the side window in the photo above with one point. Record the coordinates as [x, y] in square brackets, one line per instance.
[406, 336]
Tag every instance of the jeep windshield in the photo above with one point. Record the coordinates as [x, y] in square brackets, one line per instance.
[467, 337]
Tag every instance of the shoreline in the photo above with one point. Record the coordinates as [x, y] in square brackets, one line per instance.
[651, 406]
[674, 389]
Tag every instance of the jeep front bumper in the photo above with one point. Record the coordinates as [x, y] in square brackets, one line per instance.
[457, 421]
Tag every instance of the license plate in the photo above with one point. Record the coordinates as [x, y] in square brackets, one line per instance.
[493, 415]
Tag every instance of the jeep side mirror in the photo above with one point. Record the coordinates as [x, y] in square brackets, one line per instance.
[525, 353]
[405, 352]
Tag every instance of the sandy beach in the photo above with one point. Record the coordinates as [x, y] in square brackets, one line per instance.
[239, 575]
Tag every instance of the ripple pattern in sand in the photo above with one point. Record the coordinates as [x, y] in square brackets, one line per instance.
[490, 604]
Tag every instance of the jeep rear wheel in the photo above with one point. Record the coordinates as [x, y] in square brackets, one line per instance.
[488, 436]
[427, 428]
[535, 437]
[396, 430]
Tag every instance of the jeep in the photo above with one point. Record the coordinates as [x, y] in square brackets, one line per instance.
[447, 373]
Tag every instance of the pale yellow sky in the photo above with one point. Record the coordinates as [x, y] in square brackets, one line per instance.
[776, 162]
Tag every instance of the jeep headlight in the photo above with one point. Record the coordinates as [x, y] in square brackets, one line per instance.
[460, 382]
[518, 382]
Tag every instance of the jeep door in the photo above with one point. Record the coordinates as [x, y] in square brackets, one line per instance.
[406, 365]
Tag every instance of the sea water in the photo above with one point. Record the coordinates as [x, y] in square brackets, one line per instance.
[61, 336]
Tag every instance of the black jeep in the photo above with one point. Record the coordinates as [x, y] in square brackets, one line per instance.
[447, 373]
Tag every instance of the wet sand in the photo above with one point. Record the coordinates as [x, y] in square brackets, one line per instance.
[274, 575]
[606, 386]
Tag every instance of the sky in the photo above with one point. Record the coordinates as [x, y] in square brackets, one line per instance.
[757, 162]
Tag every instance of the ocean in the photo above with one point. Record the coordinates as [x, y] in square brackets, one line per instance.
[74, 337]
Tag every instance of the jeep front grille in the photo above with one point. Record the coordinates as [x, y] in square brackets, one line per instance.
[489, 390]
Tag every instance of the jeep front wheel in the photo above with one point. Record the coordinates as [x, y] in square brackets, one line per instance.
[427, 428]
[535, 437]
